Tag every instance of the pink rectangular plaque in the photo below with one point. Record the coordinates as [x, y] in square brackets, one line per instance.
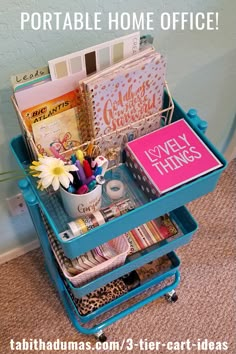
[170, 157]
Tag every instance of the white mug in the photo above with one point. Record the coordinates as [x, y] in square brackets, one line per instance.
[79, 204]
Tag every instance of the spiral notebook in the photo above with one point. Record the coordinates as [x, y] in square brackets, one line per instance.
[123, 94]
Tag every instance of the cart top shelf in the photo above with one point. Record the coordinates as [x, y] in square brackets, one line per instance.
[145, 211]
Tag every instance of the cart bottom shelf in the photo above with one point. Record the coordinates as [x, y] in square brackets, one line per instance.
[163, 284]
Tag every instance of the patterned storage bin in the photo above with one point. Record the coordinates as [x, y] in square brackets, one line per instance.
[119, 244]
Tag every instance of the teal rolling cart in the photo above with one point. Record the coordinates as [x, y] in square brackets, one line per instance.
[41, 203]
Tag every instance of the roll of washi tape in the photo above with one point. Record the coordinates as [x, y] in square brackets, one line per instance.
[82, 226]
[77, 227]
[125, 206]
[88, 222]
[115, 189]
[111, 212]
[99, 217]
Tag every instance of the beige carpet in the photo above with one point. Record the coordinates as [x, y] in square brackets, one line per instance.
[30, 307]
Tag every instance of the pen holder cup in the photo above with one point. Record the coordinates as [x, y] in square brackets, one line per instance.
[76, 205]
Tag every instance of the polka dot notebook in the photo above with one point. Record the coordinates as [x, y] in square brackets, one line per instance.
[125, 93]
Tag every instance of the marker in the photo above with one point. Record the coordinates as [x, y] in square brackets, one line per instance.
[83, 189]
[71, 189]
[98, 171]
[90, 179]
[91, 185]
[80, 155]
[73, 158]
[80, 172]
[87, 169]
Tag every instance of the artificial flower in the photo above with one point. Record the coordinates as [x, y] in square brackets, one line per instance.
[52, 171]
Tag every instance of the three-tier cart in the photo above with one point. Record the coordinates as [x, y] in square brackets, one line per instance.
[47, 212]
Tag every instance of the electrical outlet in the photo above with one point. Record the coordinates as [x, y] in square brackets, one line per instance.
[16, 205]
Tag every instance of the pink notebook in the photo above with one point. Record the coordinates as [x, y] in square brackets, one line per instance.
[170, 157]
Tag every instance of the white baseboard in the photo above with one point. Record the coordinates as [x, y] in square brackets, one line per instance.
[19, 251]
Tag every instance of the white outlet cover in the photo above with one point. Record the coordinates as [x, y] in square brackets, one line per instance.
[16, 205]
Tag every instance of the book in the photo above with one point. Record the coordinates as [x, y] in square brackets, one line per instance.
[168, 158]
[49, 108]
[60, 132]
[125, 93]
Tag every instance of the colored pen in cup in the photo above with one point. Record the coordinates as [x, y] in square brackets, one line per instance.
[80, 172]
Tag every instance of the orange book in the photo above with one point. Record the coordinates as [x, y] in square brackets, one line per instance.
[48, 109]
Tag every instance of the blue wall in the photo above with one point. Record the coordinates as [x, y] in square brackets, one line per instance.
[201, 71]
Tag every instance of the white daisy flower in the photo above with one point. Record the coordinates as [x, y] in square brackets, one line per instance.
[53, 171]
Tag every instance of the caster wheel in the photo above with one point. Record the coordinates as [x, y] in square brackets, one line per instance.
[171, 296]
[102, 338]
[174, 298]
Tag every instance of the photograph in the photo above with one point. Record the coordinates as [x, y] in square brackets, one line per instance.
[117, 176]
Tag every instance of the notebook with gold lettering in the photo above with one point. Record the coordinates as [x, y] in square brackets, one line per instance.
[125, 93]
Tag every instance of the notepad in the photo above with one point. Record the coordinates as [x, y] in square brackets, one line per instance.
[60, 131]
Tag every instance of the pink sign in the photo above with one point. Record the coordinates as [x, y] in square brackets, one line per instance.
[172, 156]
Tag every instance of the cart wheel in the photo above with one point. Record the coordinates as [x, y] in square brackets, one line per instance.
[171, 296]
[101, 336]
